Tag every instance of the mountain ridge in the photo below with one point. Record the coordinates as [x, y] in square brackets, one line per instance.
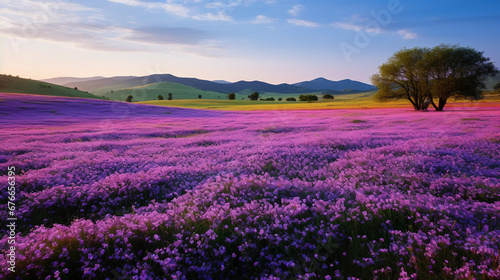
[105, 85]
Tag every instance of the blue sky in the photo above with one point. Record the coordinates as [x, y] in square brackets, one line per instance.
[277, 41]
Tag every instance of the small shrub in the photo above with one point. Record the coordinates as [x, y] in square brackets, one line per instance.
[328, 96]
[308, 98]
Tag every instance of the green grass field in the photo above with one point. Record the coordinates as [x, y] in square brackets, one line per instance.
[151, 92]
[364, 100]
[11, 84]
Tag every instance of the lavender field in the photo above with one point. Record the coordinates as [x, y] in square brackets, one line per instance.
[109, 190]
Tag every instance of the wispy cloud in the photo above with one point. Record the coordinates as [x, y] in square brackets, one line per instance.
[220, 16]
[87, 28]
[357, 27]
[176, 9]
[296, 10]
[300, 22]
[165, 36]
[263, 19]
[407, 34]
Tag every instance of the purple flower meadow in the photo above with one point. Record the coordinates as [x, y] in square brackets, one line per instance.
[113, 190]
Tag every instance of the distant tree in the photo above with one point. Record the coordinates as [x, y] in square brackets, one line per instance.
[199, 96]
[291, 99]
[268, 99]
[280, 99]
[328, 96]
[129, 98]
[76, 88]
[497, 86]
[160, 97]
[169, 96]
[231, 96]
[421, 75]
[309, 98]
[254, 96]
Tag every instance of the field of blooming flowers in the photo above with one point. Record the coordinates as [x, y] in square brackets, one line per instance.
[112, 190]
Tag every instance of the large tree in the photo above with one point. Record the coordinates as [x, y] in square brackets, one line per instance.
[403, 77]
[456, 72]
[421, 74]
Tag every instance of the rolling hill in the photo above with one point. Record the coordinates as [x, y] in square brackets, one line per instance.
[11, 84]
[152, 91]
[105, 85]
[66, 80]
[490, 82]
[324, 84]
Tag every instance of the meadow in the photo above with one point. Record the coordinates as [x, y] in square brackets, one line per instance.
[114, 190]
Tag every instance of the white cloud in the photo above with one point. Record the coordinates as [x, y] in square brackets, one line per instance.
[87, 28]
[347, 26]
[407, 34]
[300, 22]
[296, 10]
[175, 9]
[263, 19]
[358, 27]
[220, 16]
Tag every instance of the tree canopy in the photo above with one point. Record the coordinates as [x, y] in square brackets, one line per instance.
[254, 96]
[231, 96]
[309, 98]
[433, 74]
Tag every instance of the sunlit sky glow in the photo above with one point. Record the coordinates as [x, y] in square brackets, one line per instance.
[276, 41]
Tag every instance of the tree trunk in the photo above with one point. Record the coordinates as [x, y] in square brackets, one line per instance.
[434, 105]
[442, 102]
[415, 104]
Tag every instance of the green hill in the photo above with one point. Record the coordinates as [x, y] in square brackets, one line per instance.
[11, 84]
[489, 82]
[151, 92]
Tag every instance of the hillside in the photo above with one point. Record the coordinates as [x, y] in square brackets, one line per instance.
[11, 84]
[489, 82]
[65, 80]
[324, 84]
[105, 85]
[151, 92]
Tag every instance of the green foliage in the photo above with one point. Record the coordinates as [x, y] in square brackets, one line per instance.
[231, 96]
[254, 96]
[328, 96]
[280, 99]
[291, 99]
[199, 96]
[421, 74]
[308, 98]
[129, 98]
[160, 97]
[268, 99]
[169, 96]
